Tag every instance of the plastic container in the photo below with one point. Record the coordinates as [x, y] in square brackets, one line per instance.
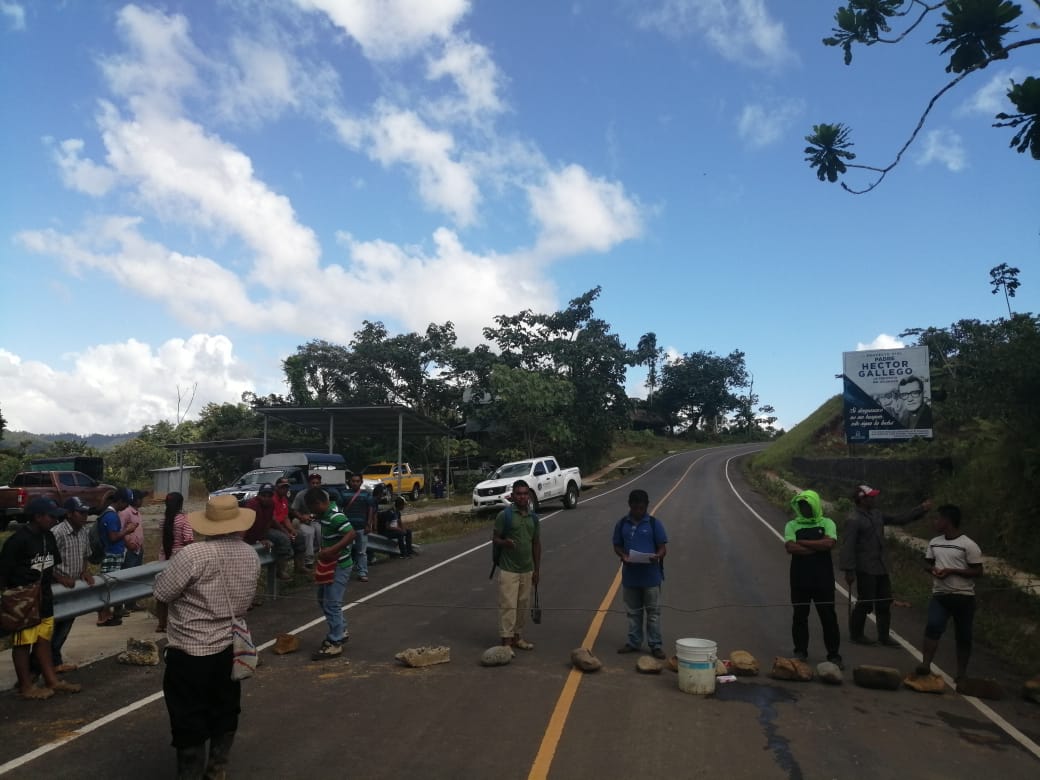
[696, 665]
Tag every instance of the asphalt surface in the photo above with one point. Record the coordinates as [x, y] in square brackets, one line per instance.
[366, 715]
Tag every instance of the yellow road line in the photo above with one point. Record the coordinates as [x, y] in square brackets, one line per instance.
[558, 719]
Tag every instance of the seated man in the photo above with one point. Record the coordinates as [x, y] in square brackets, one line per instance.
[395, 528]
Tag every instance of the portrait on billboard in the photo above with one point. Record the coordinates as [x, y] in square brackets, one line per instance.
[887, 395]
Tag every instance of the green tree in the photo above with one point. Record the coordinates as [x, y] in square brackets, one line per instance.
[3, 425]
[1004, 278]
[532, 407]
[131, 462]
[697, 389]
[974, 33]
[649, 354]
[576, 345]
[226, 422]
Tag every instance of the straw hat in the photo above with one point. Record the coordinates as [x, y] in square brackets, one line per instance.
[222, 515]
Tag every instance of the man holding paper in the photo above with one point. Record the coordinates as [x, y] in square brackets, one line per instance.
[640, 541]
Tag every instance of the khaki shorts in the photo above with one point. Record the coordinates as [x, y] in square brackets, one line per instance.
[30, 636]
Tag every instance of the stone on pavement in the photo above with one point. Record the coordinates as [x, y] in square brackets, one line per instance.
[1031, 689]
[584, 660]
[139, 652]
[883, 678]
[499, 655]
[925, 683]
[981, 688]
[790, 669]
[286, 643]
[830, 673]
[648, 665]
[742, 664]
[424, 656]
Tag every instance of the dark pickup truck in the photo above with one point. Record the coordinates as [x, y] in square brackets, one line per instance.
[59, 485]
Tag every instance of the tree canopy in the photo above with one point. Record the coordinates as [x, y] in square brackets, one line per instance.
[973, 33]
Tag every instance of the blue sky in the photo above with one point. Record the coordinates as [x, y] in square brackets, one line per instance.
[192, 190]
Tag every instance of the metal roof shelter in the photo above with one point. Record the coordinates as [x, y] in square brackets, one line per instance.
[356, 420]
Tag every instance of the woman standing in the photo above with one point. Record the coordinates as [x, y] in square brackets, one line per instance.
[176, 534]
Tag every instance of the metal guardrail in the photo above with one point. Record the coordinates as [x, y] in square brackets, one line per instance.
[131, 584]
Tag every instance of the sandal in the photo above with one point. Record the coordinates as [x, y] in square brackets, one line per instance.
[112, 621]
[36, 693]
[66, 687]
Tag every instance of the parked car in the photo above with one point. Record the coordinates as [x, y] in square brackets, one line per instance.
[545, 478]
[294, 466]
[59, 485]
[404, 481]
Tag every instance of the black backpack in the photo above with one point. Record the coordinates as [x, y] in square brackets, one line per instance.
[507, 526]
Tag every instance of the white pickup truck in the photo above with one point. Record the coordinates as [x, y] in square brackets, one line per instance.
[543, 476]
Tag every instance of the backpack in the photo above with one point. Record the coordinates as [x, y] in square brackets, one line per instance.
[507, 526]
[95, 536]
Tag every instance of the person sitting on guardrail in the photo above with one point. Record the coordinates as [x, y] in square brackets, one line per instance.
[28, 556]
[205, 586]
[395, 528]
[271, 532]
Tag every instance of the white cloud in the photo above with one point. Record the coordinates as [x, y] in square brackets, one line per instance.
[944, 147]
[474, 73]
[15, 14]
[80, 174]
[741, 31]
[467, 288]
[881, 341]
[392, 29]
[117, 388]
[991, 97]
[392, 135]
[762, 124]
[579, 213]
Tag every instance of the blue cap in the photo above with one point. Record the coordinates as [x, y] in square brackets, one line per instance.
[44, 506]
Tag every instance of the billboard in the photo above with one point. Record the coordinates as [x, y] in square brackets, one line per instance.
[887, 394]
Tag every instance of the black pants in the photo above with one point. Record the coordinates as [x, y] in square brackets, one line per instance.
[404, 539]
[201, 698]
[823, 596]
[875, 595]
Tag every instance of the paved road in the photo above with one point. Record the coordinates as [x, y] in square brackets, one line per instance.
[365, 715]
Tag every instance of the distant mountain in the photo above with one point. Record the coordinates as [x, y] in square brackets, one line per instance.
[41, 441]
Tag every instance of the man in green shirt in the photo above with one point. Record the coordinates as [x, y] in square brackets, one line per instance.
[516, 534]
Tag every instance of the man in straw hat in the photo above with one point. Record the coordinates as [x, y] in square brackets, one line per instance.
[206, 585]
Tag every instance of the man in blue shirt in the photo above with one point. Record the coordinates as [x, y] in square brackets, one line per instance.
[640, 542]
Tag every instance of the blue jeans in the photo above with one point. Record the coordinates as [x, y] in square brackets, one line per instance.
[330, 599]
[640, 601]
[359, 552]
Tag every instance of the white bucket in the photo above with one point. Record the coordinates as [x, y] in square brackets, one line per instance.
[696, 665]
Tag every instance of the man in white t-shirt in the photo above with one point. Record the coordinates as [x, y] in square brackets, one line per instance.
[954, 561]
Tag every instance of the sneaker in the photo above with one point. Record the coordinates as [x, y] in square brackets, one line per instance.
[888, 642]
[801, 655]
[658, 653]
[328, 650]
[836, 659]
[627, 648]
[363, 578]
[523, 644]
[862, 640]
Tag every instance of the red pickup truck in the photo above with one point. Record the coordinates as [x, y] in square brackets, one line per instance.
[59, 485]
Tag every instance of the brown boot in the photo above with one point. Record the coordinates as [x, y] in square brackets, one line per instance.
[297, 565]
[282, 570]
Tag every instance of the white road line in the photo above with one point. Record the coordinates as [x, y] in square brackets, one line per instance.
[981, 706]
